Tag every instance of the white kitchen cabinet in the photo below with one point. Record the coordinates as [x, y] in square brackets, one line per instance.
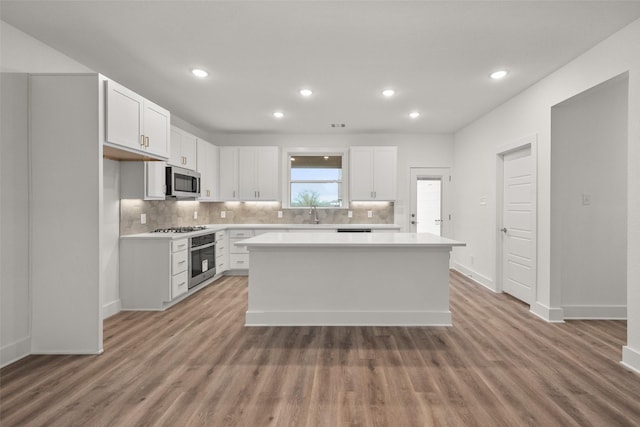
[249, 173]
[207, 166]
[372, 173]
[142, 180]
[135, 123]
[183, 149]
[153, 272]
[228, 170]
[222, 251]
[258, 173]
[239, 255]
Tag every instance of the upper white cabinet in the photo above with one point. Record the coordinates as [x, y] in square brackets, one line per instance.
[207, 165]
[228, 169]
[249, 173]
[135, 123]
[142, 180]
[183, 149]
[258, 173]
[373, 172]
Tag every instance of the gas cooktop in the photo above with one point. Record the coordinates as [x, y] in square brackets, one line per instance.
[188, 229]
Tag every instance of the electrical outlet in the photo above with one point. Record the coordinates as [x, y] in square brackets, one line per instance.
[349, 214]
[223, 214]
[279, 214]
[369, 214]
[195, 214]
[143, 218]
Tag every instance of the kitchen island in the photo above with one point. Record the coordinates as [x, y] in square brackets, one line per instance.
[381, 279]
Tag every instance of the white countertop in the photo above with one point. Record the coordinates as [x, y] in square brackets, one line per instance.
[349, 239]
[217, 227]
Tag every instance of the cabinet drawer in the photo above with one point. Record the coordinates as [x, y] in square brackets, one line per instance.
[179, 284]
[179, 262]
[239, 261]
[221, 248]
[220, 235]
[233, 249]
[221, 265]
[179, 245]
[241, 234]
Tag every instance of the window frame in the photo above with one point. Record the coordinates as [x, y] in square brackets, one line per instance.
[319, 151]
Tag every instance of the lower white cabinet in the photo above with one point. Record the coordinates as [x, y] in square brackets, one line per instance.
[222, 251]
[153, 272]
[239, 255]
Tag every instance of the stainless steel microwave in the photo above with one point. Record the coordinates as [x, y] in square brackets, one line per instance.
[182, 183]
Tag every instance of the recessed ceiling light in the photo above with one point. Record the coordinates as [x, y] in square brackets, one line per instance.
[388, 92]
[500, 74]
[414, 114]
[278, 114]
[306, 92]
[199, 72]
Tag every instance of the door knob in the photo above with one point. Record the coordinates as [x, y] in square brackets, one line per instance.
[503, 229]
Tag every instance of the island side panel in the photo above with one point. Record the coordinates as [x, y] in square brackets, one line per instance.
[333, 285]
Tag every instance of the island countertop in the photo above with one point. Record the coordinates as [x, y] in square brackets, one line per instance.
[349, 239]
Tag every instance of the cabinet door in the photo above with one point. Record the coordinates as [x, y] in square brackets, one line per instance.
[188, 149]
[361, 173]
[384, 173]
[268, 173]
[175, 155]
[123, 116]
[247, 173]
[228, 168]
[156, 121]
[207, 166]
[155, 180]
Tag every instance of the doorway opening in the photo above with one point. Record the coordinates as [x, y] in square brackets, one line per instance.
[429, 212]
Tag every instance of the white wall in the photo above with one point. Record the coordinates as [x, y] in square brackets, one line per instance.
[110, 292]
[589, 238]
[530, 113]
[19, 53]
[14, 231]
[414, 150]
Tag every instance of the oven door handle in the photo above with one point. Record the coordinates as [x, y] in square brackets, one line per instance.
[197, 248]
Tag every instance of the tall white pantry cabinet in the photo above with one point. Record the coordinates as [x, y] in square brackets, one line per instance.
[65, 212]
[67, 122]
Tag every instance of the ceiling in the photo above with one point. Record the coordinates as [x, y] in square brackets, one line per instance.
[437, 55]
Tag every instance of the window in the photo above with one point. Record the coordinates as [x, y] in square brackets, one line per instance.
[315, 180]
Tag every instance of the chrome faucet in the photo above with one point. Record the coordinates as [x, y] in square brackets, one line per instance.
[313, 210]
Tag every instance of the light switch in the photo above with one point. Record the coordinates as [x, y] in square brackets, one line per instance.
[223, 214]
[279, 214]
[143, 218]
[586, 199]
[349, 214]
[195, 214]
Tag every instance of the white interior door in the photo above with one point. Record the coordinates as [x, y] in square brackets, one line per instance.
[427, 200]
[518, 217]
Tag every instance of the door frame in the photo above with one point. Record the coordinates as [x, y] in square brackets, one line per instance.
[531, 142]
[442, 173]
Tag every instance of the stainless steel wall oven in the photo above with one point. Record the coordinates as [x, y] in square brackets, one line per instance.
[202, 262]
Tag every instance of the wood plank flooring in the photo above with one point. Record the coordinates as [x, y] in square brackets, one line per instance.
[197, 365]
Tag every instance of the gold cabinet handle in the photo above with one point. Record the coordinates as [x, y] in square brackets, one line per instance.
[142, 140]
[146, 141]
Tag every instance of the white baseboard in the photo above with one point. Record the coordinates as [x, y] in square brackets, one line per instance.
[111, 308]
[631, 359]
[348, 318]
[551, 315]
[593, 312]
[15, 351]
[475, 276]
